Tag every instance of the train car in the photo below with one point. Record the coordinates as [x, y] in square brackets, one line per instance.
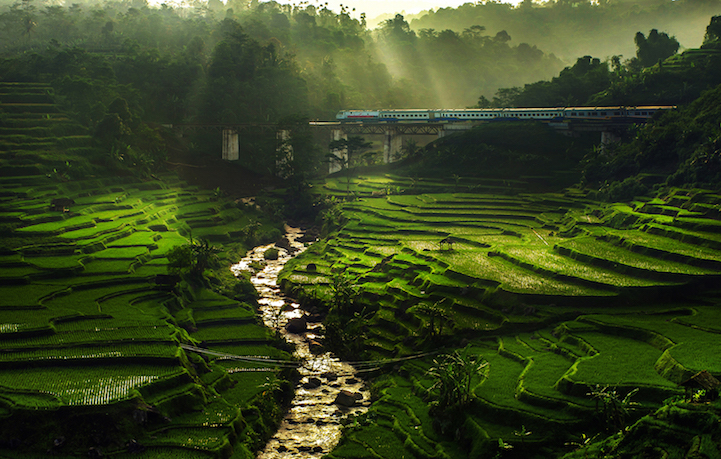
[646, 111]
[404, 115]
[470, 114]
[593, 113]
[555, 114]
[546, 114]
[358, 115]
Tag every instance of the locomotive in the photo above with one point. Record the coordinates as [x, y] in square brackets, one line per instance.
[557, 114]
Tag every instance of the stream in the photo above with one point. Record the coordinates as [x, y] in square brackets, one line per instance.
[311, 427]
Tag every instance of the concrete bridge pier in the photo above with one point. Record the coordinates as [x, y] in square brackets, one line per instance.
[608, 138]
[336, 165]
[452, 128]
[284, 153]
[392, 144]
[231, 146]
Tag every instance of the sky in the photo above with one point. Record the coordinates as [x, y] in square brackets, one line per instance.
[374, 8]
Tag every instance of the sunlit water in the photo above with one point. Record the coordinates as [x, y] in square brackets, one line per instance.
[311, 427]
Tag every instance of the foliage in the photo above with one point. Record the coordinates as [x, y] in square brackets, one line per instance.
[713, 32]
[465, 59]
[682, 146]
[271, 253]
[345, 334]
[569, 29]
[194, 257]
[344, 292]
[573, 86]
[331, 218]
[620, 191]
[655, 48]
[436, 315]
[507, 150]
[655, 76]
[453, 375]
[344, 153]
[303, 154]
[613, 409]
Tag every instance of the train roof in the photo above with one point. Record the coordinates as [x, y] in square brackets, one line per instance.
[460, 110]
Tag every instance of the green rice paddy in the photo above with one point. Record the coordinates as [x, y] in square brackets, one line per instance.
[88, 321]
[559, 295]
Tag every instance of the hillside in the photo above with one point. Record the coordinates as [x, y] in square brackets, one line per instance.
[574, 306]
[91, 323]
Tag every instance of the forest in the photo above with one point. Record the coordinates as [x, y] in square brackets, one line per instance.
[506, 291]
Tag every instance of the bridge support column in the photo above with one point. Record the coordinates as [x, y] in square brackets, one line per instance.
[342, 155]
[231, 147]
[452, 128]
[608, 138]
[392, 146]
[284, 153]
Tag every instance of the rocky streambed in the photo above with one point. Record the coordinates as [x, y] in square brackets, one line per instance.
[329, 389]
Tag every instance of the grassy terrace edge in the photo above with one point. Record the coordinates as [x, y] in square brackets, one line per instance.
[562, 296]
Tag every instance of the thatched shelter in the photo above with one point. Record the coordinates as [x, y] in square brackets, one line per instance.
[702, 381]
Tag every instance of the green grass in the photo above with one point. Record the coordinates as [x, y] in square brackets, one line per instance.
[512, 278]
[620, 362]
[548, 261]
[235, 332]
[622, 257]
[91, 385]
[57, 262]
[165, 350]
[71, 223]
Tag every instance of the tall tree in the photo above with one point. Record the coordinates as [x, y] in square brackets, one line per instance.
[655, 48]
[345, 152]
[713, 31]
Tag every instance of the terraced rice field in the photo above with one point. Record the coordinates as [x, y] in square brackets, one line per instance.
[561, 295]
[87, 316]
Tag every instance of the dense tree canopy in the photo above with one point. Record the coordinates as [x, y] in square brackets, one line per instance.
[655, 48]
[251, 61]
[572, 28]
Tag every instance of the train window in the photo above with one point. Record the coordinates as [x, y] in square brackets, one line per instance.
[616, 113]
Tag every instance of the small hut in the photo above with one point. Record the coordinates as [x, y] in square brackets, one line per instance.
[448, 242]
[61, 204]
[702, 387]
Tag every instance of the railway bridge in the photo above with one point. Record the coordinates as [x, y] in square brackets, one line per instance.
[392, 133]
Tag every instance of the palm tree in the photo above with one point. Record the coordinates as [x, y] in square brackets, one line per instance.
[203, 255]
[410, 148]
[454, 374]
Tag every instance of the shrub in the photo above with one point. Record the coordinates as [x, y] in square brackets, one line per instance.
[194, 257]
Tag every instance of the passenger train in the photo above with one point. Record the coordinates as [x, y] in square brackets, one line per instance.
[558, 114]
